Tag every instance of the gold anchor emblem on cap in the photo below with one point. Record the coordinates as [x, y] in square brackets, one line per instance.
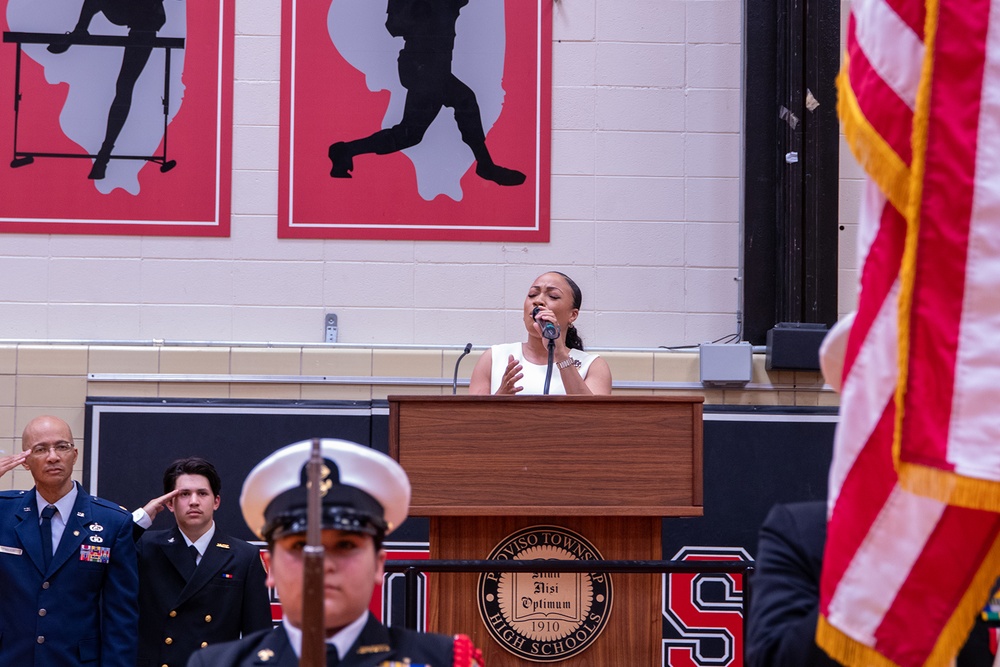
[265, 654]
[326, 484]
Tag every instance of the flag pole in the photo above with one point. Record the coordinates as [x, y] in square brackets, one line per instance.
[313, 631]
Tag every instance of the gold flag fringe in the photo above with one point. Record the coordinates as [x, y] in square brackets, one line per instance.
[949, 487]
[854, 653]
[882, 164]
[846, 650]
[956, 631]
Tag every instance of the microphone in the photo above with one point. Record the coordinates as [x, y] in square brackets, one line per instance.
[454, 382]
[549, 330]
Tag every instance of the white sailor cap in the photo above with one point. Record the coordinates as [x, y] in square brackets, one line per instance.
[363, 491]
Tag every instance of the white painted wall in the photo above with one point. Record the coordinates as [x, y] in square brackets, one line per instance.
[645, 215]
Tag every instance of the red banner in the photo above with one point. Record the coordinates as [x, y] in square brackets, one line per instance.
[402, 124]
[122, 117]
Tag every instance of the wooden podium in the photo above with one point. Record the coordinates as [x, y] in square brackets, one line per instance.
[605, 467]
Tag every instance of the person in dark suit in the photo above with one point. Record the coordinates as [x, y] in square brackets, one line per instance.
[67, 565]
[365, 496]
[197, 586]
[784, 606]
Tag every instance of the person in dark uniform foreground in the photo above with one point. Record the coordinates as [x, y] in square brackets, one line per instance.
[367, 496]
[197, 586]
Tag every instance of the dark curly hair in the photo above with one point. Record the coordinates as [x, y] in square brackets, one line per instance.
[192, 465]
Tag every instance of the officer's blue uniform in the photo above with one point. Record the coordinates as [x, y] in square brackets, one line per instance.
[83, 611]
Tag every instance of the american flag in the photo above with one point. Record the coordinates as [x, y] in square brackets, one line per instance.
[912, 540]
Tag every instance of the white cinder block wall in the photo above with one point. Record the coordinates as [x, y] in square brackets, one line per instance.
[645, 215]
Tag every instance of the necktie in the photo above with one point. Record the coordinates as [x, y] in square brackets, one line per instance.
[332, 659]
[194, 556]
[46, 528]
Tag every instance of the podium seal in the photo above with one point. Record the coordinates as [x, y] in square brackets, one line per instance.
[545, 616]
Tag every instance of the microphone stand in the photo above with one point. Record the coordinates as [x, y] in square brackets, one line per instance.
[454, 382]
[548, 366]
[551, 336]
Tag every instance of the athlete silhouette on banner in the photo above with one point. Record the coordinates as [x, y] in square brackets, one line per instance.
[143, 19]
[116, 105]
[425, 71]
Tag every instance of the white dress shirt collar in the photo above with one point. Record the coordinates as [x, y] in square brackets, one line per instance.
[64, 505]
[343, 640]
[201, 544]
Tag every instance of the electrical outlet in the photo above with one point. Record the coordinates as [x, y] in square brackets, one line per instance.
[331, 328]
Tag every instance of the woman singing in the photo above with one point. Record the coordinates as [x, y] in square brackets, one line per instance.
[553, 300]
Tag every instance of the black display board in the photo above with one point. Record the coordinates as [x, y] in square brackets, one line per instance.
[754, 458]
[129, 443]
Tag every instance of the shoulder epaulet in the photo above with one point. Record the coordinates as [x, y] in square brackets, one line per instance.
[12, 493]
[252, 644]
[237, 543]
[97, 500]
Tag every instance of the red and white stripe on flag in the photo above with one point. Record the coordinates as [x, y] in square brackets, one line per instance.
[905, 574]
[949, 437]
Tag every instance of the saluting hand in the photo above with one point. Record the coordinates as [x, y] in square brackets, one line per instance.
[11, 461]
[154, 506]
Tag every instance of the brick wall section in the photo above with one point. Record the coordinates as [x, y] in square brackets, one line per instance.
[645, 215]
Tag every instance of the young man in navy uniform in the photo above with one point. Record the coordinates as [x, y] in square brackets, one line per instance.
[366, 496]
[67, 565]
[197, 586]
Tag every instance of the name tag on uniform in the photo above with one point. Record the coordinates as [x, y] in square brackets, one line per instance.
[13, 551]
[95, 554]
[375, 648]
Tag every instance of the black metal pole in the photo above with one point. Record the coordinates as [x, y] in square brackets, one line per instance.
[411, 579]
[548, 367]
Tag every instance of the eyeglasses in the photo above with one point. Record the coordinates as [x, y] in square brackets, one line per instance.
[60, 448]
